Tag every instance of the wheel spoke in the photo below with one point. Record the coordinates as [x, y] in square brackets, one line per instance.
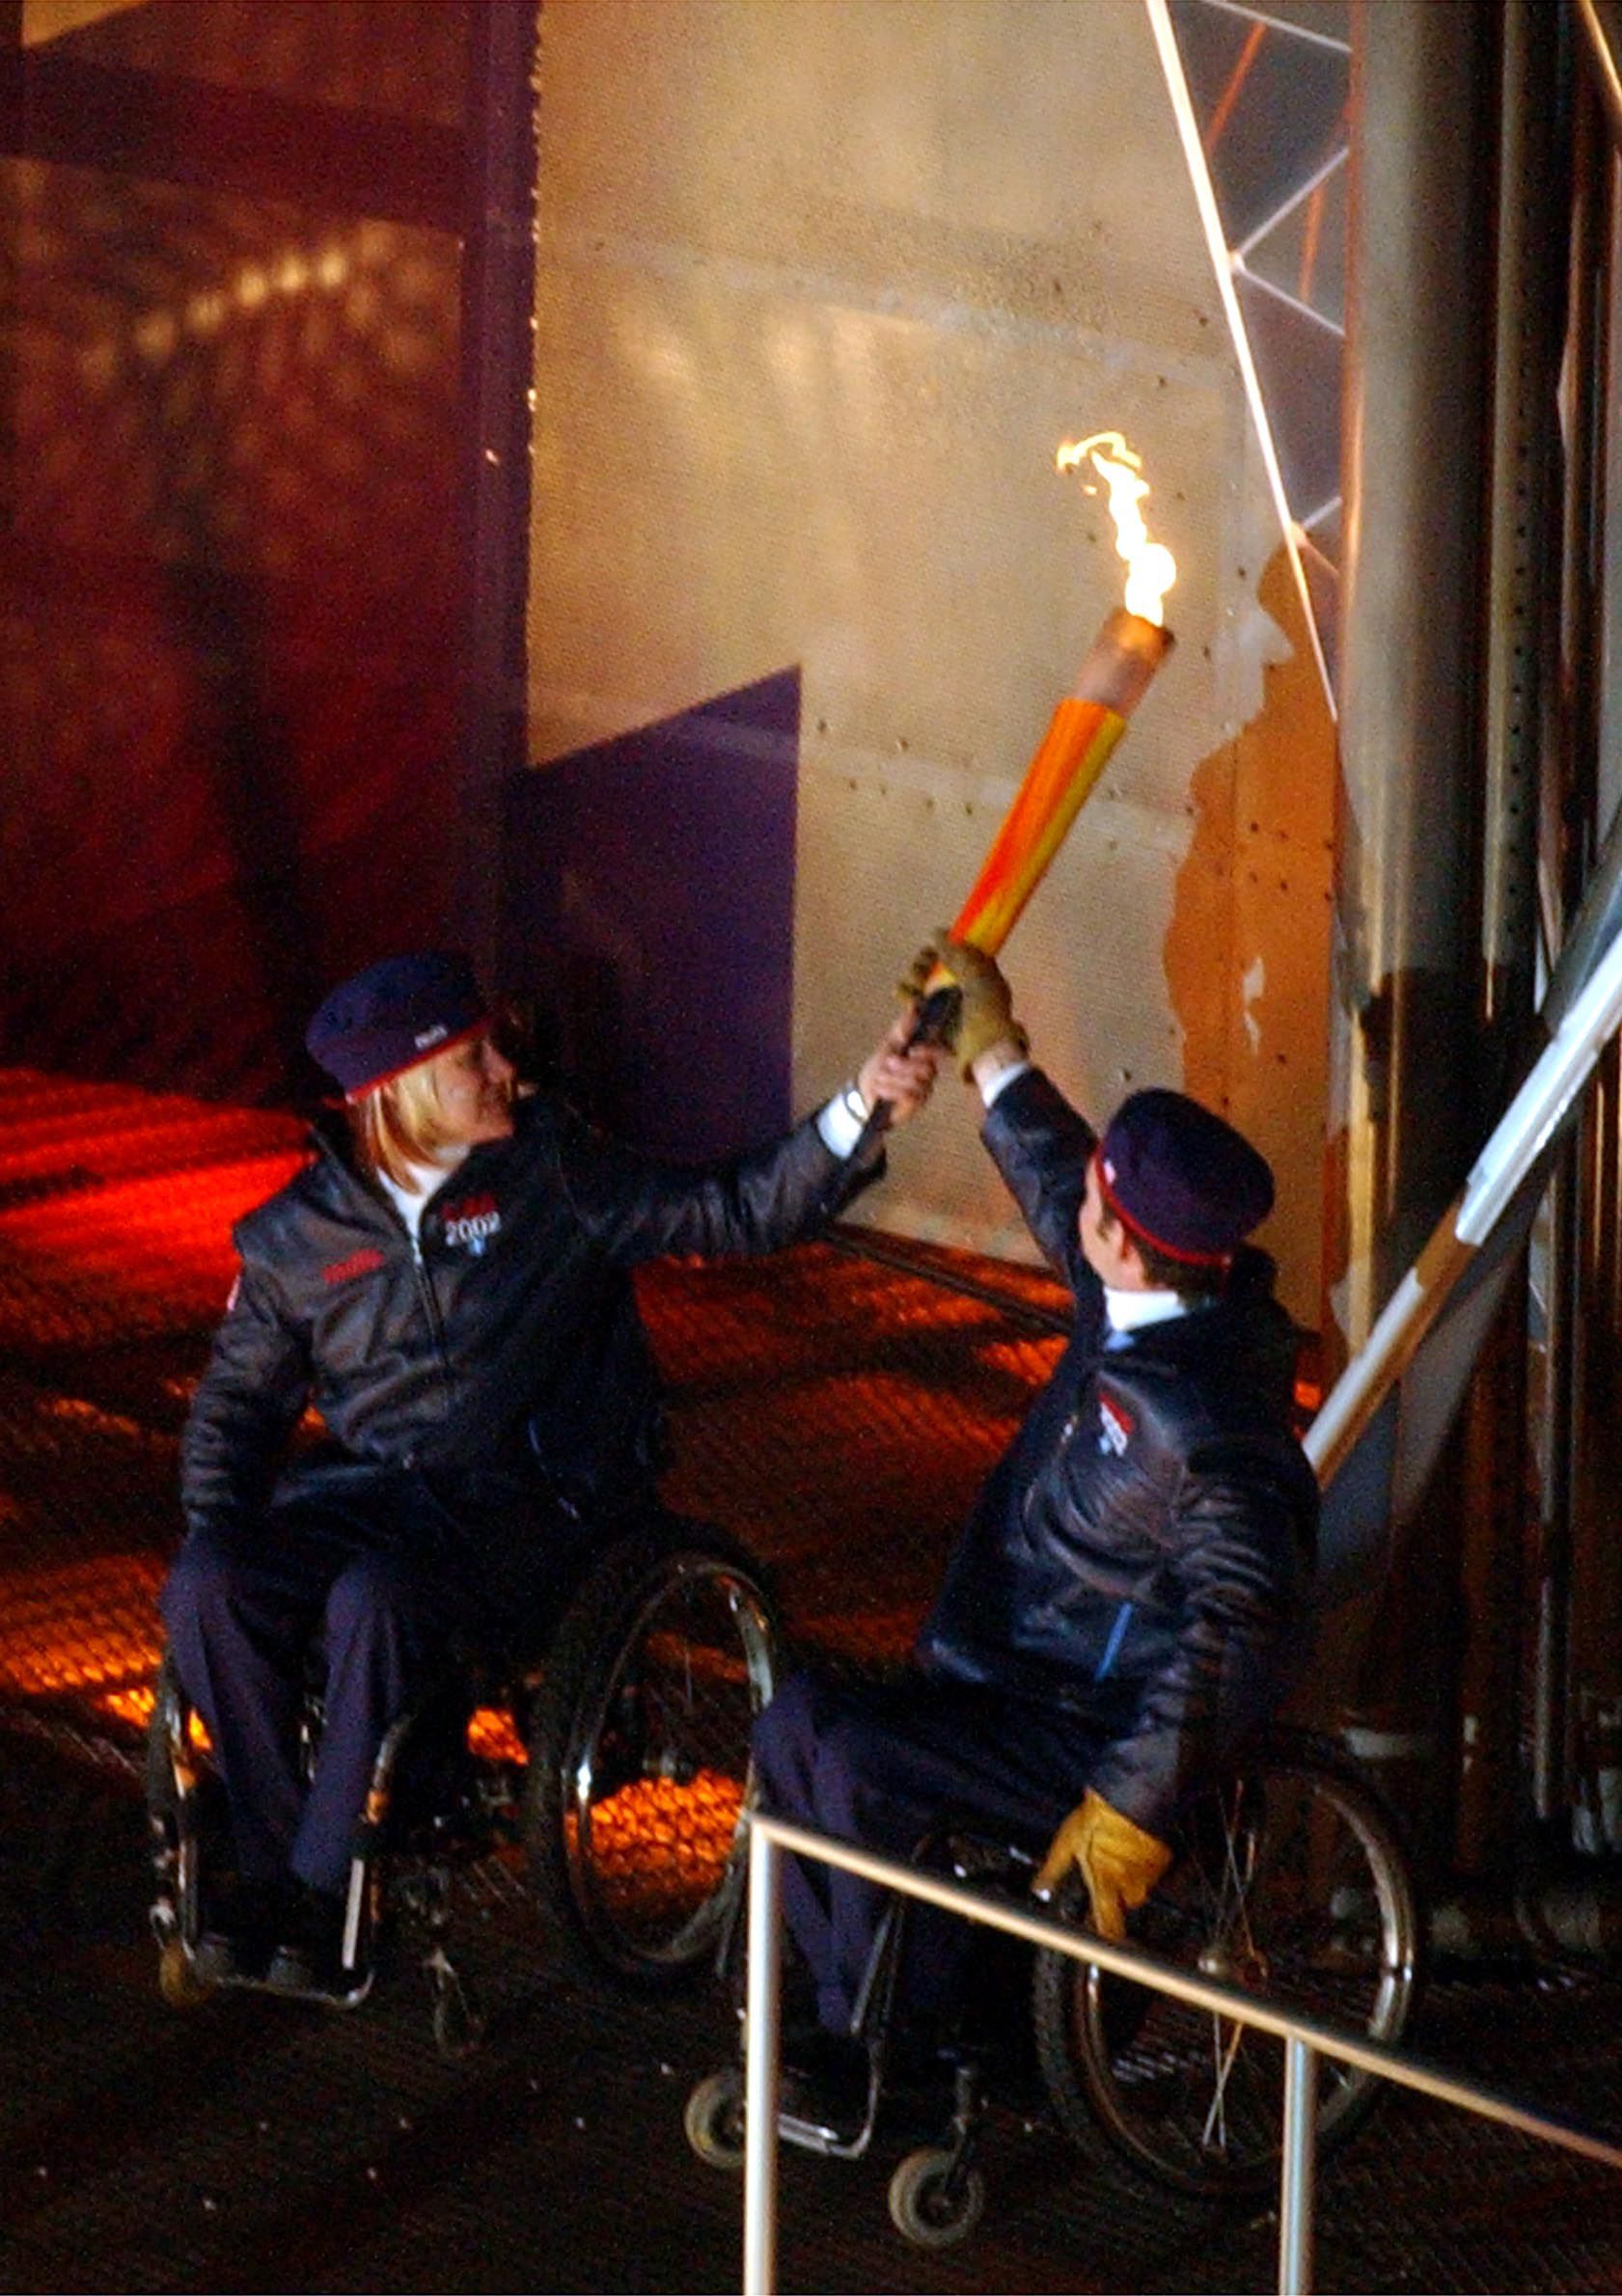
[1291, 1886]
[657, 1715]
[1225, 2039]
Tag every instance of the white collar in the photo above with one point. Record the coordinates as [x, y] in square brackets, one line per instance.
[1133, 1311]
[424, 1180]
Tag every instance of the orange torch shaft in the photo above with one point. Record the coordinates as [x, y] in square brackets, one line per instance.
[1060, 777]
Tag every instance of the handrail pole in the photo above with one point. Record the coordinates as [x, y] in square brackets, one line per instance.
[1300, 2162]
[1205, 1994]
[1305, 2037]
[761, 2070]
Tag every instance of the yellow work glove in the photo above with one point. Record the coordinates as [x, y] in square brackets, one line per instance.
[1117, 1860]
[987, 1013]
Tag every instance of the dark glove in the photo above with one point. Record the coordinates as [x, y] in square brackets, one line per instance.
[1118, 1862]
[987, 1013]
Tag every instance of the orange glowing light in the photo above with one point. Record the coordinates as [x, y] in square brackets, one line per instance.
[658, 1847]
[492, 1737]
[1150, 567]
[1089, 721]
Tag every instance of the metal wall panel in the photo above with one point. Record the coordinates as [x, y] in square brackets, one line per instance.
[819, 290]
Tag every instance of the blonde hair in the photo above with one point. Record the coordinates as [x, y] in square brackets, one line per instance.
[400, 1123]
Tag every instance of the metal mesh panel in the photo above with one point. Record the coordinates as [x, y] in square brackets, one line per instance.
[115, 1260]
[837, 1406]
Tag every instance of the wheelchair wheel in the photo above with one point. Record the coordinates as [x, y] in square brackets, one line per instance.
[174, 1731]
[459, 2022]
[171, 1733]
[713, 2120]
[935, 2199]
[178, 1819]
[639, 1770]
[180, 1980]
[1291, 1882]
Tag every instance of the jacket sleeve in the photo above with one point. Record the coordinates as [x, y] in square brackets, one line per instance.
[638, 1209]
[1243, 1577]
[247, 1404]
[1042, 1148]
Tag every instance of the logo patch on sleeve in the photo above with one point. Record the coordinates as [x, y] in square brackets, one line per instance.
[359, 1262]
[1116, 1425]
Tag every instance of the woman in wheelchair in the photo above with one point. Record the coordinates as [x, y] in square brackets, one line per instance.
[1126, 1601]
[448, 1285]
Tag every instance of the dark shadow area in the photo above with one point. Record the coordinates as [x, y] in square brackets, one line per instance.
[647, 918]
[229, 379]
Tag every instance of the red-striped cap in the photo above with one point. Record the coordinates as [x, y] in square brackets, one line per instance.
[1181, 1179]
[395, 1015]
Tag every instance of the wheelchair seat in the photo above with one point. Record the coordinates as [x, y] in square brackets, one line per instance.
[617, 1757]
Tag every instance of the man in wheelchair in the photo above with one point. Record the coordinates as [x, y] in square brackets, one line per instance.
[448, 1284]
[1126, 1599]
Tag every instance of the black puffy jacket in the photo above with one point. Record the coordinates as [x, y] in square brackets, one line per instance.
[508, 1339]
[1141, 1555]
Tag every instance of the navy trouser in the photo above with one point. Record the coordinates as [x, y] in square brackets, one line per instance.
[380, 1577]
[878, 1764]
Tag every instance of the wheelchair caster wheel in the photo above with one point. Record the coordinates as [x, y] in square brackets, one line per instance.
[935, 2202]
[178, 1978]
[458, 2022]
[713, 2119]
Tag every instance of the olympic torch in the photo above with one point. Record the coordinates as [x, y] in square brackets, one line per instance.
[1084, 728]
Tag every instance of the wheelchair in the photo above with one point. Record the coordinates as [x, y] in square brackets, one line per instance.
[1290, 1880]
[617, 1763]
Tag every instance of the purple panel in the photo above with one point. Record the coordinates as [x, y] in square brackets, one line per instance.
[648, 916]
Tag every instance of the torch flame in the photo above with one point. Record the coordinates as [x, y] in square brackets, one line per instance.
[1151, 568]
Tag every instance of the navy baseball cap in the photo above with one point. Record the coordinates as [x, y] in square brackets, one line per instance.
[1182, 1180]
[392, 1016]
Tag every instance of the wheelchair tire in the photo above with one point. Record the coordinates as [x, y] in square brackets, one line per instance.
[175, 1913]
[935, 2202]
[713, 2119]
[160, 1771]
[1291, 1881]
[169, 1703]
[169, 1713]
[459, 2021]
[640, 1769]
[179, 1982]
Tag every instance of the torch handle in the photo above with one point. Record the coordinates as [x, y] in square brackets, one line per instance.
[936, 1018]
[1084, 728]
[933, 1024]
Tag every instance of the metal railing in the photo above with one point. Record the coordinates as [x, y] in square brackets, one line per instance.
[1305, 2040]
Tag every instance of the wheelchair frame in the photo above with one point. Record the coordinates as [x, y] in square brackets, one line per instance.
[1291, 1877]
[639, 1708]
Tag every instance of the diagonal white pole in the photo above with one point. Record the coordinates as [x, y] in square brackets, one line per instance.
[1221, 264]
[1523, 1132]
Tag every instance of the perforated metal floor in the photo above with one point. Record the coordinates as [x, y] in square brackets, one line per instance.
[835, 1407]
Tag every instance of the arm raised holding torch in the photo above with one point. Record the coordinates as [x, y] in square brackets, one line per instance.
[1125, 1600]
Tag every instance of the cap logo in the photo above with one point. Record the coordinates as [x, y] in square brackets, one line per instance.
[430, 1036]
